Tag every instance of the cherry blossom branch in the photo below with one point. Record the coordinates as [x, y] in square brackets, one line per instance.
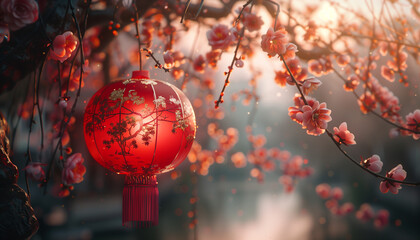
[294, 80]
[230, 68]
[371, 110]
[330, 135]
[339, 146]
[65, 121]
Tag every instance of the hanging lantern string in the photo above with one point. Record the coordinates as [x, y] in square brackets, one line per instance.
[138, 34]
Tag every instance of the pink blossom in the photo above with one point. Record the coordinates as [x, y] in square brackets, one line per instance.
[367, 102]
[291, 50]
[19, 13]
[169, 59]
[343, 136]
[323, 190]
[399, 62]
[220, 37]
[365, 213]
[35, 171]
[213, 57]
[397, 173]
[238, 159]
[351, 83]
[295, 112]
[381, 219]
[343, 60]
[346, 208]
[383, 48]
[373, 163]
[4, 32]
[73, 169]
[315, 67]
[310, 31]
[388, 73]
[281, 78]
[63, 46]
[252, 22]
[275, 42]
[199, 63]
[315, 118]
[287, 183]
[413, 123]
[337, 193]
[310, 84]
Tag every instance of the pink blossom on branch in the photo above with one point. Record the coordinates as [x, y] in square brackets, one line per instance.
[343, 136]
[252, 22]
[315, 118]
[220, 37]
[199, 64]
[388, 73]
[397, 173]
[19, 13]
[63, 46]
[413, 123]
[73, 169]
[373, 163]
[35, 171]
[168, 59]
[275, 42]
[310, 84]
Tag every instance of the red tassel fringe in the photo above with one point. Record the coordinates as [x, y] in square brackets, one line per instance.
[140, 202]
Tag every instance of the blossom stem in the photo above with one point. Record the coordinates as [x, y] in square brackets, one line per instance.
[372, 111]
[158, 64]
[384, 178]
[294, 80]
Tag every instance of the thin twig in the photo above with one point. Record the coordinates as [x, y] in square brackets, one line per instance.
[158, 64]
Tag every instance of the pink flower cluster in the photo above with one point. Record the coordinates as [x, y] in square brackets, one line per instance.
[35, 171]
[221, 37]
[413, 123]
[277, 43]
[321, 66]
[333, 196]
[299, 73]
[202, 159]
[373, 163]
[63, 46]
[251, 21]
[313, 117]
[343, 136]
[377, 94]
[397, 173]
[366, 213]
[73, 169]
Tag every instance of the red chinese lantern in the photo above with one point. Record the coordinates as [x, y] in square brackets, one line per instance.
[139, 127]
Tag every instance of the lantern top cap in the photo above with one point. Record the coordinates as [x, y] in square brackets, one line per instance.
[140, 74]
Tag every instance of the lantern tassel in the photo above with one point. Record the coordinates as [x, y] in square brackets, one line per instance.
[140, 201]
